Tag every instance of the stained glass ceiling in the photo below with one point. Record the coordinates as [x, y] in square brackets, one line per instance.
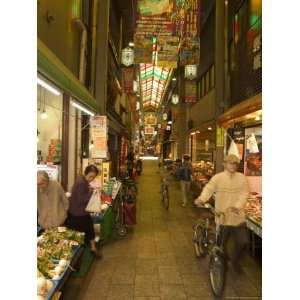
[153, 82]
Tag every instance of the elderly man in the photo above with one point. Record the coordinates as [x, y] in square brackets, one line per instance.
[52, 203]
[231, 194]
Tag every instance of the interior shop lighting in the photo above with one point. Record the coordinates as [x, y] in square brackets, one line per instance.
[131, 44]
[48, 87]
[193, 133]
[209, 128]
[91, 146]
[44, 115]
[174, 79]
[169, 122]
[78, 106]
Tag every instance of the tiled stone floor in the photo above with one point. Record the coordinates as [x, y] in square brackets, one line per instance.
[156, 260]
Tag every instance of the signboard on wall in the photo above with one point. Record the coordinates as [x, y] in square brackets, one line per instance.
[52, 171]
[99, 137]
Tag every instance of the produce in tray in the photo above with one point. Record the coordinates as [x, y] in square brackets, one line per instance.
[254, 209]
[44, 286]
[55, 249]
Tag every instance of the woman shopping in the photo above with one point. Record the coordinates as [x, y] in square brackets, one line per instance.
[79, 219]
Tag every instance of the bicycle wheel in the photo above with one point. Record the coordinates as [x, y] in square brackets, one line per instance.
[199, 243]
[217, 274]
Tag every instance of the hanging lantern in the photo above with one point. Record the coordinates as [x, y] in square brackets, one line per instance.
[165, 116]
[190, 72]
[127, 56]
[175, 99]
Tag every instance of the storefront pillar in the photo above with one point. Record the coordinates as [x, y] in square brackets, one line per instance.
[102, 54]
[220, 104]
[65, 141]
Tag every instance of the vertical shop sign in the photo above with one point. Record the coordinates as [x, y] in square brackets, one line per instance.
[127, 79]
[190, 92]
[99, 137]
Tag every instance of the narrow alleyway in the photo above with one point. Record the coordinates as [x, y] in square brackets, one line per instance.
[156, 260]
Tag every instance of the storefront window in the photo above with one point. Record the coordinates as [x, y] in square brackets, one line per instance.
[49, 126]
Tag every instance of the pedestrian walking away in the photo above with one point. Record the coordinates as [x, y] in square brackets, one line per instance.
[185, 175]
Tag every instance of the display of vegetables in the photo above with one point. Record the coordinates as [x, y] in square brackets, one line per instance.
[54, 251]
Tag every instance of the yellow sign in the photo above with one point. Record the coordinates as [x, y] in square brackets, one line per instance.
[220, 137]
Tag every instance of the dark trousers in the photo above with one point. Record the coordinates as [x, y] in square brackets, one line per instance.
[238, 236]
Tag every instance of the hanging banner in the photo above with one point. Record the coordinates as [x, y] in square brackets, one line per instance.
[99, 136]
[149, 130]
[167, 51]
[190, 89]
[132, 102]
[150, 119]
[190, 52]
[127, 79]
[154, 17]
[143, 46]
[192, 18]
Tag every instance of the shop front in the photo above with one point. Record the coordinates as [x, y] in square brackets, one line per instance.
[62, 102]
[202, 153]
[243, 137]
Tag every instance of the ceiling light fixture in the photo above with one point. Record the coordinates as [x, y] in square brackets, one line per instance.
[78, 106]
[174, 79]
[209, 128]
[193, 133]
[48, 86]
[44, 115]
[91, 146]
[131, 44]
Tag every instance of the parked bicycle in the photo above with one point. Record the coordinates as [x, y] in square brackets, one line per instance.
[207, 242]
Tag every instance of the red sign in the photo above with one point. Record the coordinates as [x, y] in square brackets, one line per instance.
[127, 79]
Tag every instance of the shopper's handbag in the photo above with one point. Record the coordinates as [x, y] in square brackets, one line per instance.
[94, 205]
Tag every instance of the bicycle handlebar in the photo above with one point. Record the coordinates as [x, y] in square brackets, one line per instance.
[212, 209]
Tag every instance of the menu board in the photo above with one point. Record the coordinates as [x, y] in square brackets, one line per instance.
[99, 137]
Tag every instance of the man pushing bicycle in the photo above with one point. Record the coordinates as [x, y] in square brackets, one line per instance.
[231, 193]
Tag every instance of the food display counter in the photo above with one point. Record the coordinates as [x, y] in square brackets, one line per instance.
[254, 214]
[202, 173]
[58, 253]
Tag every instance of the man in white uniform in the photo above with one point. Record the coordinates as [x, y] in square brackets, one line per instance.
[231, 194]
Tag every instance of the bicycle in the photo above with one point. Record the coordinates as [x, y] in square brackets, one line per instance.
[205, 244]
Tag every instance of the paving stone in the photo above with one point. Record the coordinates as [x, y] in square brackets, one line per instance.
[172, 292]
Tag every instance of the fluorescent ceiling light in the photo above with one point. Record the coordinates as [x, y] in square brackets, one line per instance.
[48, 86]
[78, 106]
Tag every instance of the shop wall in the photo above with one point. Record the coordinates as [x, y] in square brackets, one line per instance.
[56, 29]
[181, 130]
[203, 110]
